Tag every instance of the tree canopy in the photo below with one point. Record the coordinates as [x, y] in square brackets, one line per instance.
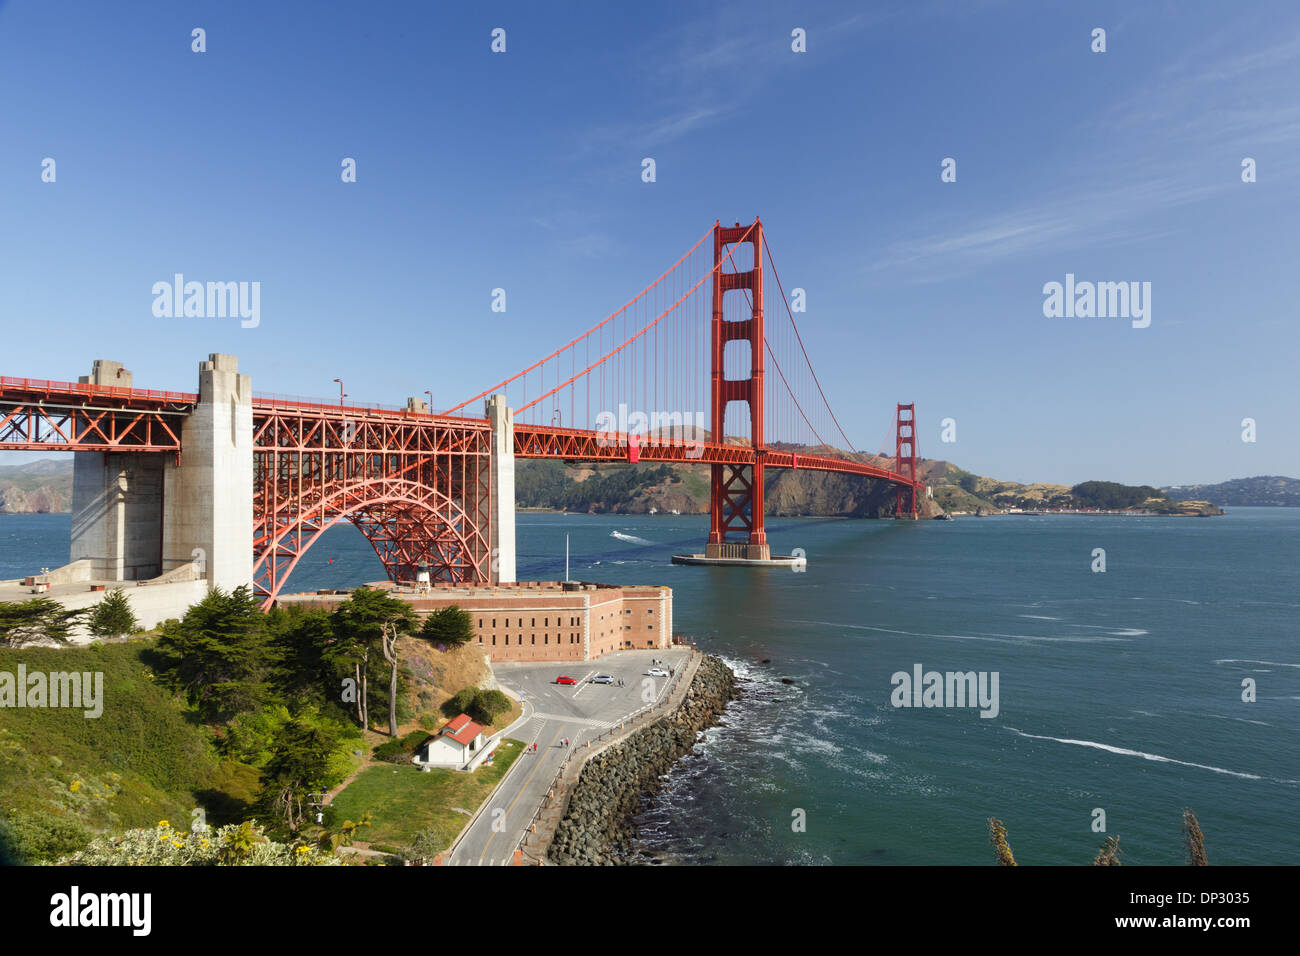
[112, 617]
[220, 655]
[38, 621]
[1110, 495]
[450, 626]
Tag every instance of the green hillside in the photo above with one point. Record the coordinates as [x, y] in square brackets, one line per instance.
[65, 777]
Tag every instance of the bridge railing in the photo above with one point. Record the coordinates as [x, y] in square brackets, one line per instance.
[51, 387]
[299, 401]
[276, 400]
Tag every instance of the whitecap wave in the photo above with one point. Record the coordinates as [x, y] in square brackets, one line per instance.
[1244, 720]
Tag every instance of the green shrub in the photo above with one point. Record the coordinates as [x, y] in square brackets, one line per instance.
[488, 706]
[482, 706]
[448, 627]
[164, 845]
[112, 617]
[402, 749]
[141, 759]
[460, 703]
[36, 837]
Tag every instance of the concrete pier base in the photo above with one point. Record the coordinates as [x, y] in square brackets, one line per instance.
[738, 549]
[778, 561]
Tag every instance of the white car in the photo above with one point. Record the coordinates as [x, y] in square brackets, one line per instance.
[657, 672]
[603, 679]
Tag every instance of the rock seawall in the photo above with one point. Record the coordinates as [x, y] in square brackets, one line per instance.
[597, 828]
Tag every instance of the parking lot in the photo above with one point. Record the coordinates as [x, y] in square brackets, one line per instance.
[556, 712]
[585, 702]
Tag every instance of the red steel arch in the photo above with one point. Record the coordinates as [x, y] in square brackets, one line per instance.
[416, 485]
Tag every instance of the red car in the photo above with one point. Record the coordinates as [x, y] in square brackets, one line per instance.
[565, 680]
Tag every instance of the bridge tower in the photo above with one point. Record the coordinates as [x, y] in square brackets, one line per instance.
[208, 498]
[905, 459]
[736, 492]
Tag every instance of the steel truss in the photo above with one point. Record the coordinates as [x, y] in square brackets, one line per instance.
[418, 487]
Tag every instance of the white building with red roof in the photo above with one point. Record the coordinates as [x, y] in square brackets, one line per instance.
[456, 745]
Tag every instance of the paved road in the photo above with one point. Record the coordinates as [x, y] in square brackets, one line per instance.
[555, 712]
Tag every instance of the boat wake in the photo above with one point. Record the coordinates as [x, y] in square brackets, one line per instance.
[1236, 660]
[629, 538]
[1126, 752]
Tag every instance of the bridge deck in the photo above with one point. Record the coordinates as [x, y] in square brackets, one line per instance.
[46, 415]
[574, 444]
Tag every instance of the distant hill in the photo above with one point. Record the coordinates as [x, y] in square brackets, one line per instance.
[645, 488]
[958, 490]
[1274, 490]
[45, 486]
[41, 466]
[36, 487]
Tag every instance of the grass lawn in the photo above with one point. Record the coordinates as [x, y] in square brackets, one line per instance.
[403, 800]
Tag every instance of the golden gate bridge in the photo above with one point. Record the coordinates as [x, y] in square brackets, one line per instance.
[708, 357]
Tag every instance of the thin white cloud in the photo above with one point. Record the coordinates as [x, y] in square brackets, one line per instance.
[1174, 122]
[1099, 215]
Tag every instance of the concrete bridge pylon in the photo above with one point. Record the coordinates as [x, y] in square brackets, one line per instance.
[208, 498]
[140, 515]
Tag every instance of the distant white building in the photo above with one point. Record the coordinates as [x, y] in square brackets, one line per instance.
[455, 746]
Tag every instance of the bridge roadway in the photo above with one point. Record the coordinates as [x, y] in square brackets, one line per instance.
[41, 415]
[554, 712]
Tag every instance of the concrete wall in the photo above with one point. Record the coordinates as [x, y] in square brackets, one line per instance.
[137, 516]
[208, 500]
[151, 604]
[647, 618]
[117, 502]
[544, 621]
[441, 752]
[117, 514]
[501, 520]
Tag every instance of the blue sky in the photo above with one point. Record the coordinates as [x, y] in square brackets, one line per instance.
[522, 170]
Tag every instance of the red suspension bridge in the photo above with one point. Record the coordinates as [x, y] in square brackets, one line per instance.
[705, 365]
[700, 337]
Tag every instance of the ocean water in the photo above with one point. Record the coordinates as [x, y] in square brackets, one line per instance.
[1119, 692]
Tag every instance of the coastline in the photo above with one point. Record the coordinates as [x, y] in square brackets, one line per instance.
[597, 827]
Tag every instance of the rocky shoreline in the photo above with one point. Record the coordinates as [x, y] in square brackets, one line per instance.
[597, 829]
